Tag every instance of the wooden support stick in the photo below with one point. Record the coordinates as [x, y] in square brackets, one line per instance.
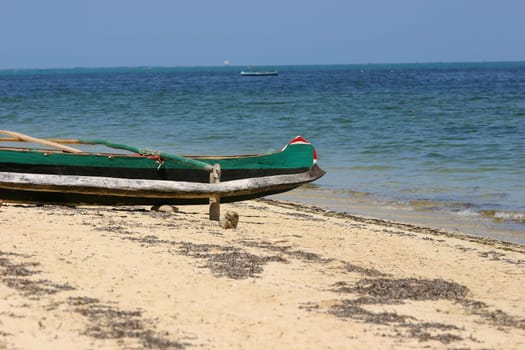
[61, 141]
[27, 138]
[215, 200]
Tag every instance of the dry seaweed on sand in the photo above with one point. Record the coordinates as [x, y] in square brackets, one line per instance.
[105, 322]
[365, 271]
[286, 250]
[35, 287]
[350, 309]
[411, 288]
[239, 265]
[108, 322]
[10, 268]
[227, 261]
[497, 317]
[385, 291]
[394, 291]
[16, 275]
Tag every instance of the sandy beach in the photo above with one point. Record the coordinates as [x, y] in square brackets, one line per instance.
[288, 277]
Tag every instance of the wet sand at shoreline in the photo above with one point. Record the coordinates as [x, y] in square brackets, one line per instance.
[456, 217]
[289, 277]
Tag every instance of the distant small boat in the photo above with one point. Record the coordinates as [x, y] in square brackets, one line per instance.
[258, 73]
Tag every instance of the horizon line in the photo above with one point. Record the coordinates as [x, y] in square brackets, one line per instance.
[257, 65]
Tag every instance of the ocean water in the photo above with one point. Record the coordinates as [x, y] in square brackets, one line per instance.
[438, 144]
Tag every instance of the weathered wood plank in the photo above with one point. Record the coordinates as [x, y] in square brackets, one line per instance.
[107, 186]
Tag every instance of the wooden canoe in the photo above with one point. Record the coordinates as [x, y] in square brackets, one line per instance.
[55, 173]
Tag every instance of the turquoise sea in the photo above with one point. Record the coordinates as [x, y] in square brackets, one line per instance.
[439, 144]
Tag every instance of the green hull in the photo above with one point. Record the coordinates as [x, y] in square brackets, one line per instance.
[146, 177]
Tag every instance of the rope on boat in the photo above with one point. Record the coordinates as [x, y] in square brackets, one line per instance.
[147, 152]
[16, 136]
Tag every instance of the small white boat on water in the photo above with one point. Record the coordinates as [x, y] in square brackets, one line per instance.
[249, 73]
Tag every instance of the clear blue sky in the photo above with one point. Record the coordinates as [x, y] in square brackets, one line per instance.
[101, 33]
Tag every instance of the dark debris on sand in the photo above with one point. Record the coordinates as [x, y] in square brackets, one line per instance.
[239, 265]
[35, 288]
[105, 322]
[285, 250]
[365, 271]
[394, 291]
[17, 275]
[10, 268]
[405, 326]
[224, 261]
[410, 288]
[496, 317]
[385, 291]
[229, 261]
[108, 322]
[389, 291]
[351, 309]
